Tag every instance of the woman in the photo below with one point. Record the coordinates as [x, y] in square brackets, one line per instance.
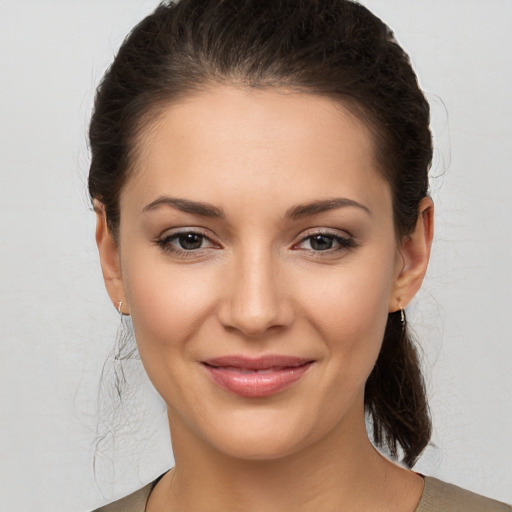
[260, 176]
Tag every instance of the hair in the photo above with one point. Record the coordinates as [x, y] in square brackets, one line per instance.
[336, 48]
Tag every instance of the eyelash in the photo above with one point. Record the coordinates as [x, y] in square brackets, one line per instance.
[165, 243]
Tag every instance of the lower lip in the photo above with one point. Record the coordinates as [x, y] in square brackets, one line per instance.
[256, 384]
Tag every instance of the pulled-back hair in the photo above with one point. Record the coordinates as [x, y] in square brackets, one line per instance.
[335, 48]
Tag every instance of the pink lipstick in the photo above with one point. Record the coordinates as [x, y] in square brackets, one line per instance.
[256, 377]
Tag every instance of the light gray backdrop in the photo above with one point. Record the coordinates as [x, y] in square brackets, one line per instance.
[56, 324]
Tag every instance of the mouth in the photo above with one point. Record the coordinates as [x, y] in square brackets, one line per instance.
[256, 377]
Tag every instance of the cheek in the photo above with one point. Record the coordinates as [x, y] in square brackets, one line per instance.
[351, 302]
[168, 304]
[349, 308]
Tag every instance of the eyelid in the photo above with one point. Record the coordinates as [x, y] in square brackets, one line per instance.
[340, 233]
[183, 230]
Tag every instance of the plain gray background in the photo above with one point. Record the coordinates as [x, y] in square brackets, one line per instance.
[57, 325]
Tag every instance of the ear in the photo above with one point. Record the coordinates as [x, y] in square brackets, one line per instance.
[414, 254]
[109, 258]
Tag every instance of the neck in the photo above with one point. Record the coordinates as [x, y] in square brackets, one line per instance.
[356, 477]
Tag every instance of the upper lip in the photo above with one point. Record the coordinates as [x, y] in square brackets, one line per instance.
[256, 363]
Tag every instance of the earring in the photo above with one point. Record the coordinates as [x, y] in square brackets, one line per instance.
[124, 347]
[402, 318]
[120, 310]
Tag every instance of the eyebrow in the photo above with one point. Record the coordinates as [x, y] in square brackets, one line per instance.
[294, 213]
[316, 207]
[187, 206]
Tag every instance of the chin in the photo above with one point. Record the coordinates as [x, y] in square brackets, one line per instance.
[258, 447]
[262, 434]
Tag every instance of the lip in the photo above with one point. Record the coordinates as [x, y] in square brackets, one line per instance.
[256, 377]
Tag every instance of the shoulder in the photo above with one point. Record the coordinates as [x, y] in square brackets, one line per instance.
[135, 502]
[440, 496]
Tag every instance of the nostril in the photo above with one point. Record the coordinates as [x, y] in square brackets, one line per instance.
[254, 324]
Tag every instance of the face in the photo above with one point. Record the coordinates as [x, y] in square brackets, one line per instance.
[259, 262]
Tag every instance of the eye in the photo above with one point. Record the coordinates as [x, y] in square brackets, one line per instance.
[185, 242]
[321, 242]
[325, 242]
[189, 241]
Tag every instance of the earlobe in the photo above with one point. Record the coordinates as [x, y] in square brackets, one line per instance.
[109, 257]
[415, 254]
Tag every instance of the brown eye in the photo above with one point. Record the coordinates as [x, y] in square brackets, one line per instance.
[321, 242]
[190, 241]
[185, 242]
[325, 242]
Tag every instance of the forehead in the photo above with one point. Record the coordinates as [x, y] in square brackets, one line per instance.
[281, 144]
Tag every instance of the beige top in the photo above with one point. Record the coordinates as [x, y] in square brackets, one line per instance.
[437, 496]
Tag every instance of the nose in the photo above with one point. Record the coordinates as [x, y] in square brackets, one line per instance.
[256, 298]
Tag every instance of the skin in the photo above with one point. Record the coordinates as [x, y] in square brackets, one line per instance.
[258, 285]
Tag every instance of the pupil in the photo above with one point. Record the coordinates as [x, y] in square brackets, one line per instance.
[190, 241]
[321, 243]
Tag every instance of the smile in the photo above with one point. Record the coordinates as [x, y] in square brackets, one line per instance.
[256, 378]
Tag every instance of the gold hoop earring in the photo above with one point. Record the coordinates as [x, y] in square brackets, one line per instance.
[120, 309]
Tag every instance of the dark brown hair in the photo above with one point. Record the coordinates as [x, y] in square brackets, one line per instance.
[331, 47]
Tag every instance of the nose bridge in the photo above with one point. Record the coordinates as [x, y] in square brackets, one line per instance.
[257, 298]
